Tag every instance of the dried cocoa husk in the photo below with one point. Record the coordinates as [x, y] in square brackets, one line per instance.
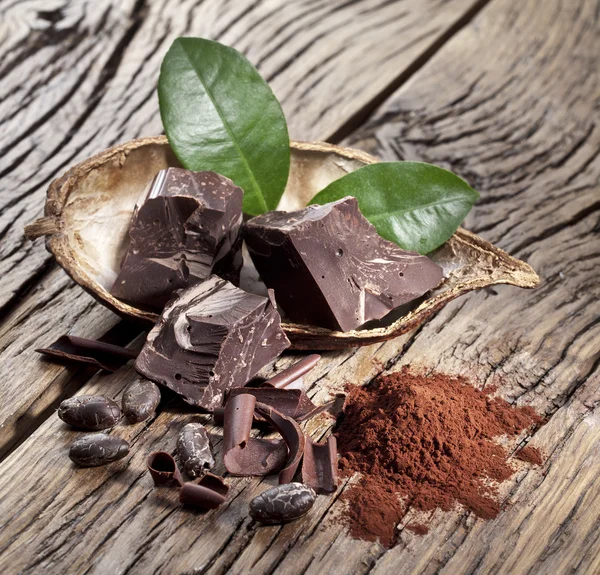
[88, 212]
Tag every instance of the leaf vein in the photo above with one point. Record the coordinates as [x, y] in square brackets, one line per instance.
[227, 127]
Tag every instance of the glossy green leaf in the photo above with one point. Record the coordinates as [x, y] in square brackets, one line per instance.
[418, 206]
[220, 115]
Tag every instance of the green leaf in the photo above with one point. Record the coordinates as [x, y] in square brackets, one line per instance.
[416, 205]
[220, 115]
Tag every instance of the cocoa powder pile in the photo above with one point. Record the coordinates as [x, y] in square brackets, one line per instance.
[426, 442]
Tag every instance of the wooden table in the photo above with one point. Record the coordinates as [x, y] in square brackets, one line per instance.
[503, 92]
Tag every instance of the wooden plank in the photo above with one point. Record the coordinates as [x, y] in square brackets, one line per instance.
[81, 77]
[538, 347]
[56, 306]
[106, 506]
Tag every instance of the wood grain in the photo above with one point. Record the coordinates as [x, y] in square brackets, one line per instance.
[504, 105]
[117, 505]
[80, 77]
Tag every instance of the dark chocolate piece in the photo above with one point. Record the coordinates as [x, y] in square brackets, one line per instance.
[292, 435]
[208, 493]
[320, 465]
[185, 227]
[294, 373]
[212, 338]
[97, 449]
[245, 455]
[140, 399]
[282, 503]
[193, 447]
[103, 355]
[91, 412]
[329, 267]
[163, 469]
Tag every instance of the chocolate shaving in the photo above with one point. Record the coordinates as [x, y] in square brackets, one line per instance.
[319, 467]
[292, 374]
[292, 435]
[103, 355]
[208, 493]
[292, 403]
[245, 455]
[163, 469]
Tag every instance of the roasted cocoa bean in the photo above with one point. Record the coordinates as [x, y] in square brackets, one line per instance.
[97, 449]
[282, 503]
[193, 447]
[140, 399]
[92, 412]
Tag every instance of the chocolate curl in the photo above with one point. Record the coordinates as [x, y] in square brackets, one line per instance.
[102, 355]
[245, 455]
[292, 403]
[293, 373]
[285, 401]
[319, 467]
[284, 392]
[292, 435]
[163, 469]
[208, 493]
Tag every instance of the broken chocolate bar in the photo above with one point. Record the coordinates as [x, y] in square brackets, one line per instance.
[185, 227]
[212, 338]
[330, 268]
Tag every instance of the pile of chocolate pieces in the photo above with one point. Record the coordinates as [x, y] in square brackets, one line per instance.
[325, 266]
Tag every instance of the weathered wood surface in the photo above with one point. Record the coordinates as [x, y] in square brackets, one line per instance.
[80, 77]
[510, 102]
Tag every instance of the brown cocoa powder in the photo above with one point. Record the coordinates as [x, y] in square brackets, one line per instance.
[530, 455]
[424, 442]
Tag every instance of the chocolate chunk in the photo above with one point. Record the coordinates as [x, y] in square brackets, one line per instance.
[193, 447]
[210, 492]
[92, 412]
[140, 399]
[163, 469]
[330, 268]
[282, 503]
[97, 449]
[103, 355]
[292, 376]
[186, 227]
[212, 338]
[245, 455]
[319, 467]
